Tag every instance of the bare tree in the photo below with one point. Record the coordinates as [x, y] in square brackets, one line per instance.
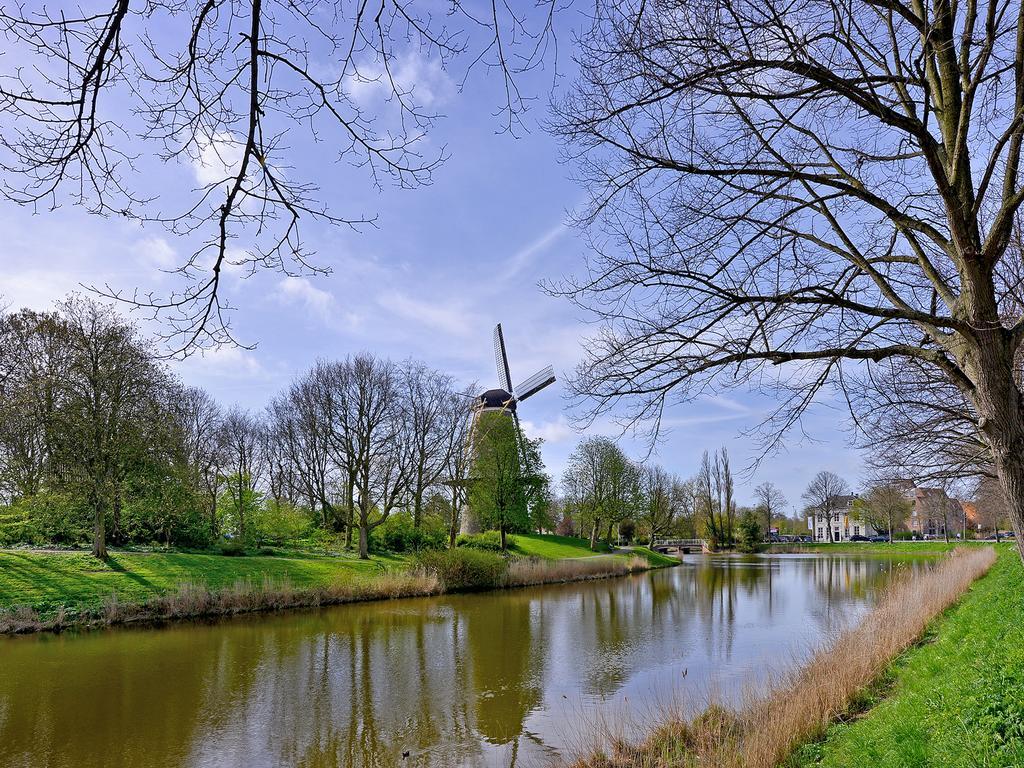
[90, 99]
[241, 434]
[715, 503]
[826, 185]
[660, 502]
[372, 420]
[823, 496]
[199, 418]
[430, 418]
[991, 505]
[888, 507]
[770, 501]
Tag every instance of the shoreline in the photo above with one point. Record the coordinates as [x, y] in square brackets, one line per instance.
[192, 601]
[800, 707]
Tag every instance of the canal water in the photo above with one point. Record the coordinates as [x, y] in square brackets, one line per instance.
[493, 679]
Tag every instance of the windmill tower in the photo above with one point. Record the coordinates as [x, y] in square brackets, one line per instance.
[503, 401]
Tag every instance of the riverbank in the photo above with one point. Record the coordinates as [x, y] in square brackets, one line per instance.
[955, 699]
[54, 591]
[776, 727]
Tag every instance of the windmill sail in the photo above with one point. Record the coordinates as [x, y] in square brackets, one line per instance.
[535, 383]
[501, 360]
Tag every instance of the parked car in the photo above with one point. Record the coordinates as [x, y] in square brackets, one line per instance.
[878, 539]
[858, 537]
[806, 538]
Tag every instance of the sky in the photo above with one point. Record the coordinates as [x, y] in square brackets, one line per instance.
[440, 266]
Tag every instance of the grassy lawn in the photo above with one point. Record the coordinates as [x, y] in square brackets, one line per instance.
[956, 699]
[555, 547]
[47, 580]
[569, 547]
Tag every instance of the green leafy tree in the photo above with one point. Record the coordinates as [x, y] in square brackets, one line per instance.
[499, 492]
[749, 533]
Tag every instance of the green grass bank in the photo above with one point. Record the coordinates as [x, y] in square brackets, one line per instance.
[81, 589]
[954, 700]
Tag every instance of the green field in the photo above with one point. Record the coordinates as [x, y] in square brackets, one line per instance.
[954, 700]
[569, 547]
[555, 547]
[47, 580]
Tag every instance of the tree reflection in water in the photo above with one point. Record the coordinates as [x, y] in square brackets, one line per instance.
[494, 679]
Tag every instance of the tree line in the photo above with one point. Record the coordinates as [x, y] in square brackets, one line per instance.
[100, 441]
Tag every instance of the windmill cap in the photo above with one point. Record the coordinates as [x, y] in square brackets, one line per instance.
[497, 398]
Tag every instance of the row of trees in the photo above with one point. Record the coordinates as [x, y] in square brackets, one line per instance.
[94, 427]
[606, 490]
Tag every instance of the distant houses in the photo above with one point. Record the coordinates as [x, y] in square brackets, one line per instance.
[932, 513]
[845, 521]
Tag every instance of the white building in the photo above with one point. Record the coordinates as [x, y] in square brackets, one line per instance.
[845, 522]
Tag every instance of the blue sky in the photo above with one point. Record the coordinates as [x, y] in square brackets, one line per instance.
[441, 266]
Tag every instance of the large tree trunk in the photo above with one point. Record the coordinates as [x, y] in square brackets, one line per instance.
[364, 541]
[99, 531]
[453, 527]
[1001, 419]
[593, 534]
[115, 534]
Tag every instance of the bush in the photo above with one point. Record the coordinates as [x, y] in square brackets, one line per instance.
[56, 518]
[15, 526]
[281, 523]
[627, 530]
[488, 541]
[232, 548]
[461, 570]
[398, 534]
[748, 534]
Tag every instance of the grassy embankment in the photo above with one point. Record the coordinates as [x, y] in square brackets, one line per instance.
[941, 700]
[956, 699]
[865, 548]
[53, 590]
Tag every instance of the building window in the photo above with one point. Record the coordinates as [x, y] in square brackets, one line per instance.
[837, 537]
[821, 534]
[856, 530]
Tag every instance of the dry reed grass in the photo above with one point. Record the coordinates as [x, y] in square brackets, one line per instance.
[194, 601]
[801, 705]
[190, 601]
[528, 572]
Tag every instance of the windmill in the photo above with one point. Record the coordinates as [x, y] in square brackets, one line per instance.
[504, 400]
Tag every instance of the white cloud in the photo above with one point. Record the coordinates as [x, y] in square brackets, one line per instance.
[157, 252]
[446, 316]
[224, 362]
[419, 78]
[522, 258]
[318, 303]
[218, 158]
[556, 431]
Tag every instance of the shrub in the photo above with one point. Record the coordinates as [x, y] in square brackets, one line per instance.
[399, 534]
[15, 526]
[488, 541]
[748, 534]
[627, 530]
[461, 570]
[281, 523]
[232, 548]
[57, 518]
[566, 526]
